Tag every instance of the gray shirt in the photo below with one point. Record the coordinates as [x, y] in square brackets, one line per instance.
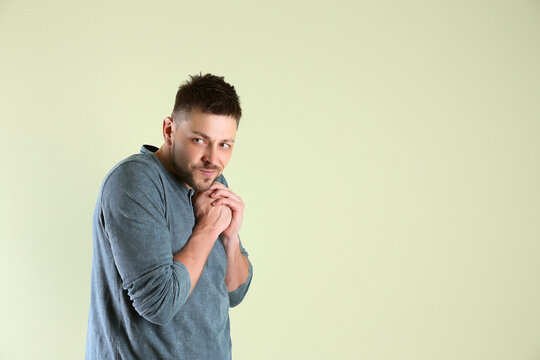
[140, 306]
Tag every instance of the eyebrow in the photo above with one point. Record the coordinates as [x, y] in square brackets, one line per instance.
[203, 135]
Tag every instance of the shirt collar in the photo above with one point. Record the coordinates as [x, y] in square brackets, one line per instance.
[147, 149]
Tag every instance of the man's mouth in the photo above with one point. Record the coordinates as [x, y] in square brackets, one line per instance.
[208, 173]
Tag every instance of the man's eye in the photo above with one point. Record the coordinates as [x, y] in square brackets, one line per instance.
[198, 141]
[226, 146]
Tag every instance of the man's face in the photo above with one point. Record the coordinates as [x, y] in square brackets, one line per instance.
[201, 148]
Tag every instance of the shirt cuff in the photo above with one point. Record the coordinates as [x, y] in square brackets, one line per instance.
[236, 296]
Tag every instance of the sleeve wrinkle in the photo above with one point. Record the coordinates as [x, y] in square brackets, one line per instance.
[159, 294]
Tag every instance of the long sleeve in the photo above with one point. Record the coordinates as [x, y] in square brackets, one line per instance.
[133, 216]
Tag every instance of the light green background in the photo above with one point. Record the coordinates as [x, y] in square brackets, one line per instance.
[389, 159]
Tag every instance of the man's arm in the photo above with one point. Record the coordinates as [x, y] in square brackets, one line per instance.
[210, 222]
[238, 265]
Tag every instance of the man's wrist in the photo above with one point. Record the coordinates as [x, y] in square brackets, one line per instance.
[231, 243]
[209, 232]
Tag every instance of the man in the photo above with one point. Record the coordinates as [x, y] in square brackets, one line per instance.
[168, 262]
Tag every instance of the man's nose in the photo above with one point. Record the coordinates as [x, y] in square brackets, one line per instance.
[210, 155]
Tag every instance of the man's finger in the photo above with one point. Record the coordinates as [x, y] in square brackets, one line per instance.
[236, 205]
[219, 185]
[224, 193]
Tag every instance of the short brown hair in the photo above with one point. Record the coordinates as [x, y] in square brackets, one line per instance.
[207, 93]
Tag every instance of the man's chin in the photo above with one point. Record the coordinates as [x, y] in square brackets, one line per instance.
[204, 185]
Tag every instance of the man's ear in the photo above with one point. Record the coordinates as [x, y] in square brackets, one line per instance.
[168, 130]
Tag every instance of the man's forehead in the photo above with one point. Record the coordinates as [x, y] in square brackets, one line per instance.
[198, 117]
[211, 126]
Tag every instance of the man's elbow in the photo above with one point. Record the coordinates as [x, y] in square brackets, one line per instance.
[159, 295]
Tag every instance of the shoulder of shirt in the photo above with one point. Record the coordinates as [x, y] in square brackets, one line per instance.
[137, 166]
[221, 179]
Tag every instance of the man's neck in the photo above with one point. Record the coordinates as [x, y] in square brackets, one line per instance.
[165, 159]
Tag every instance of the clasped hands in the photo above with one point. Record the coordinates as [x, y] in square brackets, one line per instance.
[219, 209]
